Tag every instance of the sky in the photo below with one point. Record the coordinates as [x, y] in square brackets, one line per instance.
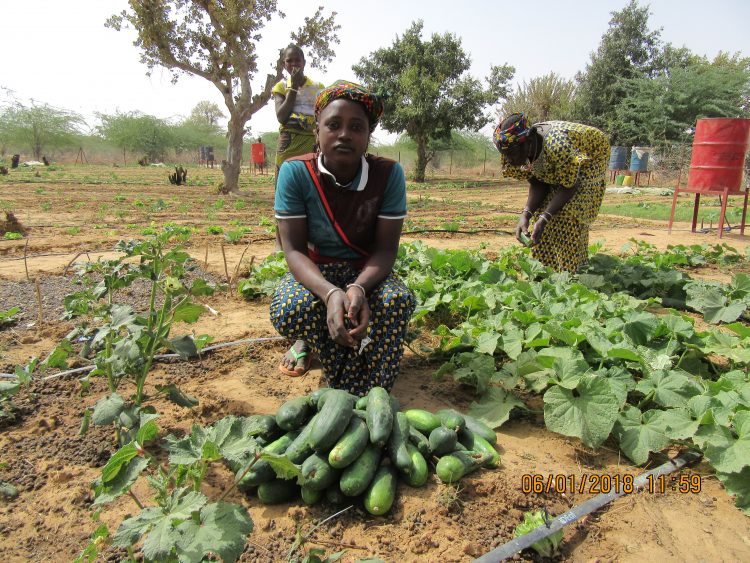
[59, 52]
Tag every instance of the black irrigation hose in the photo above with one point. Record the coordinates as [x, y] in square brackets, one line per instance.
[509, 549]
[160, 356]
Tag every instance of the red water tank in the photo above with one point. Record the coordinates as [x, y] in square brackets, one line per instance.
[258, 153]
[719, 149]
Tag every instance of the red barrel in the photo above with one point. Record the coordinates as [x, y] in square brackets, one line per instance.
[719, 149]
[258, 153]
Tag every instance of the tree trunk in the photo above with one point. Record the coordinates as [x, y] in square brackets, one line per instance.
[231, 166]
[422, 159]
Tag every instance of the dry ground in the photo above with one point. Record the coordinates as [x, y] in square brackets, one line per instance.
[79, 213]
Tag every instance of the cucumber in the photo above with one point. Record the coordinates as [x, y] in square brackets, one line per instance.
[450, 468]
[420, 441]
[381, 493]
[480, 429]
[422, 420]
[357, 477]
[317, 474]
[419, 471]
[317, 395]
[397, 444]
[264, 426]
[293, 414]
[361, 403]
[452, 419]
[299, 450]
[310, 496]
[261, 471]
[351, 444]
[278, 491]
[332, 420]
[442, 440]
[334, 495]
[379, 416]
[483, 446]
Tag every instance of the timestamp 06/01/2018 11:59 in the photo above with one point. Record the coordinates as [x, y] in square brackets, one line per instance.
[596, 483]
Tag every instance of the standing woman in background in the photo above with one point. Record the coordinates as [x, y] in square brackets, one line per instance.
[565, 164]
[294, 98]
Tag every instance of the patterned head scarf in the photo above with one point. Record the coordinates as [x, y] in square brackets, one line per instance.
[341, 89]
[515, 133]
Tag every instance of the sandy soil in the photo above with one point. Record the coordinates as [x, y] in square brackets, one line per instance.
[71, 218]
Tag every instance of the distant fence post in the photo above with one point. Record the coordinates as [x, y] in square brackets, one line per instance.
[399, 157]
[450, 166]
[484, 166]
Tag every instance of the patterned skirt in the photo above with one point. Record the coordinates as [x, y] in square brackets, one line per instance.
[298, 314]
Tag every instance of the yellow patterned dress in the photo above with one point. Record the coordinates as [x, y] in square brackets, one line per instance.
[573, 155]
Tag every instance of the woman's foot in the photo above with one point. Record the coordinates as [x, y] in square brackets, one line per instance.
[296, 361]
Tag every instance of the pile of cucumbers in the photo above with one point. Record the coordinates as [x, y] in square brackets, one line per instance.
[350, 447]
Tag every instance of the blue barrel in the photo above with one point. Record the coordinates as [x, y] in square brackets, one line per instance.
[618, 158]
[639, 159]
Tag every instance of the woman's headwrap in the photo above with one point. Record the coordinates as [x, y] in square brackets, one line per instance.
[515, 133]
[341, 89]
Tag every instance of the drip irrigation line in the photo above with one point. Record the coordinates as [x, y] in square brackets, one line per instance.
[161, 356]
[512, 547]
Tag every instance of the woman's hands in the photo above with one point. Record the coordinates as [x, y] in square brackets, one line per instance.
[523, 226]
[348, 309]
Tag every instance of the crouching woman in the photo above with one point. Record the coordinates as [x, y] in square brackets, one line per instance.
[340, 213]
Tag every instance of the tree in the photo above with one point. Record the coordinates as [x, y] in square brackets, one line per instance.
[138, 133]
[206, 113]
[428, 92]
[542, 98]
[40, 127]
[627, 50]
[217, 40]
[666, 107]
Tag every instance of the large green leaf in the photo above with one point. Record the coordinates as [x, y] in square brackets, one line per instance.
[640, 326]
[734, 456]
[229, 438]
[177, 396]
[188, 312]
[639, 434]
[121, 483]
[284, 468]
[185, 346]
[107, 409]
[487, 343]
[587, 412]
[118, 460]
[738, 485]
[670, 388]
[494, 407]
[222, 530]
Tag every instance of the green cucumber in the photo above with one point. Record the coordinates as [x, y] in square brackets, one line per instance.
[310, 496]
[261, 471]
[483, 446]
[264, 426]
[379, 416]
[422, 420]
[293, 414]
[332, 420]
[334, 495]
[450, 468]
[452, 419]
[278, 491]
[317, 474]
[361, 403]
[317, 396]
[480, 428]
[419, 471]
[442, 440]
[299, 450]
[397, 444]
[381, 493]
[357, 477]
[351, 444]
[420, 441]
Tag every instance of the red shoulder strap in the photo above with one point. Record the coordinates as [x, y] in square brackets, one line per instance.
[329, 212]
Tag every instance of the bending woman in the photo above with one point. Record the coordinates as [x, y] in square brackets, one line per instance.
[340, 214]
[565, 165]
